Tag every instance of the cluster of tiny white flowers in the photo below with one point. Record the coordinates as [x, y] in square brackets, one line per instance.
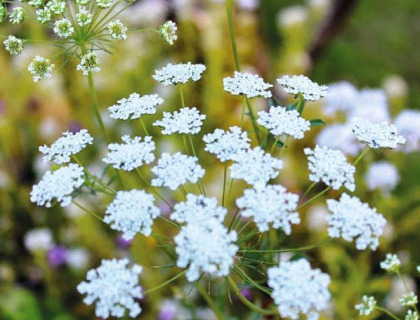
[104, 4]
[56, 6]
[63, 28]
[408, 125]
[168, 32]
[391, 264]
[340, 137]
[66, 146]
[303, 85]
[270, 204]
[370, 104]
[299, 289]
[281, 121]
[254, 166]
[411, 315]
[117, 30]
[132, 212]
[409, 299]
[173, 171]
[367, 306]
[379, 135]
[174, 74]
[225, 144]
[113, 287]
[43, 15]
[58, 185]
[17, 15]
[352, 219]
[135, 106]
[382, 175]
[206, 247]
[341, 97]
[250, 85]
[89, 63]
[198, 209]
[331, 167]
[83, 17]
[186, 121]
[132, 154]
[40, 68]
[13, 45]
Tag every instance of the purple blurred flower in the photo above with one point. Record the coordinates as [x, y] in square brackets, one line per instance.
[57, 256]
[123, 243]
[247, 293]
[75, 127]
[168, 310]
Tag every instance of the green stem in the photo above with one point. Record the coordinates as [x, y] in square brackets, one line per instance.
[361, 155]
[182, 189]
[181, 93]
[232, 33]
[246, 302]
[86, 210]
[233, 219]
[308, 190]
[253, 120]
[94, 99]
[313, 198]
[245, 277]
[243, 111]
[144, 127]
[301, 105]
[224, 184]
[285, 250]
[165, 283]
[388, 313]
[274, 144]
[200, 181]
[184, 139]
[210, 302]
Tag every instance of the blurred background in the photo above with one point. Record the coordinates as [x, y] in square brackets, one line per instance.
[369, 49]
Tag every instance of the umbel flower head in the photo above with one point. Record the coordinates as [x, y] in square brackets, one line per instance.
[409, 299]
[13, 45]
[411, 315]
[186, 121]
[40, 68]
[391, 263]
[303, 85]
[281, 121]
[379, 135]
[104, 4]
[114, 288]
[299, 289]
[168, 32]
[89, 63]
[56, 6]
[205, 247]
[247, 84]
[132, 154]
[181, 73]
[351, 219]
[58, 185]
[330, 167]
[198, 210]
[254, 166]
[132, 212]
[367, 306]
[135, 106]
[66, 146]
[83, 17]
[17, 15]
[63, 28]
[270, 205]
[225, 144]
[173, 171]
[43, 15]
[117, 30]
[382, 175]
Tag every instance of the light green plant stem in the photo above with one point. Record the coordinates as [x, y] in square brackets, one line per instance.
[243, 111]
[246, 278]
[210, 302]
[366, 150]
[86, 210]
[184, 193]
[286, 249]
[246, 302]
[309, 189]
[274, 144]
[313, 198]
[200, 181]
[233, 219]
[387, 312]
[144, 127]
[164, 284]
[405, 287]
[145, 29]
[232, 33]
[301, 105]
[181, 94]
[94, 99]
[224, 184]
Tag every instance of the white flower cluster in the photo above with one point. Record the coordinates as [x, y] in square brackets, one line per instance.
[367, 306]
[135, 106]
[13, 45]
[340, 137]
[173, 171]
[299, 289]
[117, 30]
[132, 212]
[303, 85]
[17, 15]
[341, 97]
[198, 210]
[40, 68]
[411, 315]
[225, 144]
[370, 104]
[409, 299]
[247, 84]
[58, 185]
[382, 175]
[168, 32]
[83, 17]
[408, 125]
[66, 146]
[379, 135]
[281, 121]
[63, 28]
[113, 287]
[391, 264]
[270, 204]
[254, 166]
[352, 219]
[205, 247]
[89, 63]
[330, 167]
[174, 74]
[132, 154]
[186, 121]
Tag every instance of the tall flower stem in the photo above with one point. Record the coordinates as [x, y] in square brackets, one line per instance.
[210, 302]
[181, 93]
[224, 184]
[95, 104]
[200, 181]
[164, 284]
[232, 33]
[387, 312]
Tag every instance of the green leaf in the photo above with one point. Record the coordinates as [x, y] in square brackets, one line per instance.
[292, 106]
[19, 304]
[317, 122]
